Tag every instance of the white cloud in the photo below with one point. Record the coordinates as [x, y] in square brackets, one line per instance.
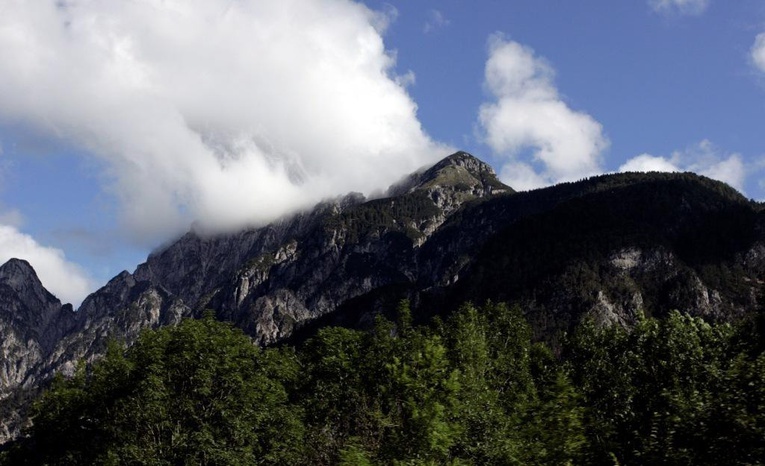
[521, 176]
[11, 218]
[528, 113]
[226, 112]
[703, 158]
[382, 19]
[758, 52]
[67, 281]
[649, 163]
[683, 7]
[436, 20]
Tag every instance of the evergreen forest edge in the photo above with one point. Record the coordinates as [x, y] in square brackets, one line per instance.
[472, 388]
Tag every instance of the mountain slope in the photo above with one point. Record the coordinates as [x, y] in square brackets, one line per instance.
[273, 279]
[634, 244]
[610, 247]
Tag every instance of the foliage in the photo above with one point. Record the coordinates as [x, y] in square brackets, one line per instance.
[381, 216]
[473, 389]
[672, 391]
[200, 393]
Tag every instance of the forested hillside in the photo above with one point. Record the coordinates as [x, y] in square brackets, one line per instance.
[470, 389]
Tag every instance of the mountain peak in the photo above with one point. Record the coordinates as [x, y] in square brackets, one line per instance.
[460, 171]
[18, 273]
[466, 160]
[19, 283]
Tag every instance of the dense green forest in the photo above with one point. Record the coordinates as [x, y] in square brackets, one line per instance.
[471, 389]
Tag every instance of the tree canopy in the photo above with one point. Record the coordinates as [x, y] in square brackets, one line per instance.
[471, 389]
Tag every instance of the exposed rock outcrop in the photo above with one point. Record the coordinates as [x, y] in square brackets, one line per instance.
[32, 322]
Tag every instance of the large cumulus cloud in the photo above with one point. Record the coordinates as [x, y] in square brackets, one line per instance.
[225, 112]
[527, 123]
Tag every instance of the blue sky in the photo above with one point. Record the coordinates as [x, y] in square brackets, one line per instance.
[658, 80]
[121, 123]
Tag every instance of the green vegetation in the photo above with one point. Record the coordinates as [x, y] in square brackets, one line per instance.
[557, 244]
[471, 389]
[380, 216]
[200, 393]
[672, 391]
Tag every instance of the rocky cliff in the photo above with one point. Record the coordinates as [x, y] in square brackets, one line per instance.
[32, 322]
[611, 247]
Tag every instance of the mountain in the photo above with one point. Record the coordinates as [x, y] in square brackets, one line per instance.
[610, 247]
[32, 321]
[626, 245]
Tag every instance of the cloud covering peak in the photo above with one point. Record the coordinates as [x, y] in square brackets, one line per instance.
[225, 112]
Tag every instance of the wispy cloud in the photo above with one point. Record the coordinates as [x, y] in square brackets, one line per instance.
[683, 7]
[542, 139]
[436, 20]
[230, 113]
[758, 52]
[68, 281]
[703, 158]
[11, 217]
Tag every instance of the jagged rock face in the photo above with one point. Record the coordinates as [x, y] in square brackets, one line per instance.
[350, 249]
[32, 322]
[120, 310]
[611, 247]
[273, 279]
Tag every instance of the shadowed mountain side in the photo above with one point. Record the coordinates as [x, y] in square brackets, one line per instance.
[611, 247]
[663, 242]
